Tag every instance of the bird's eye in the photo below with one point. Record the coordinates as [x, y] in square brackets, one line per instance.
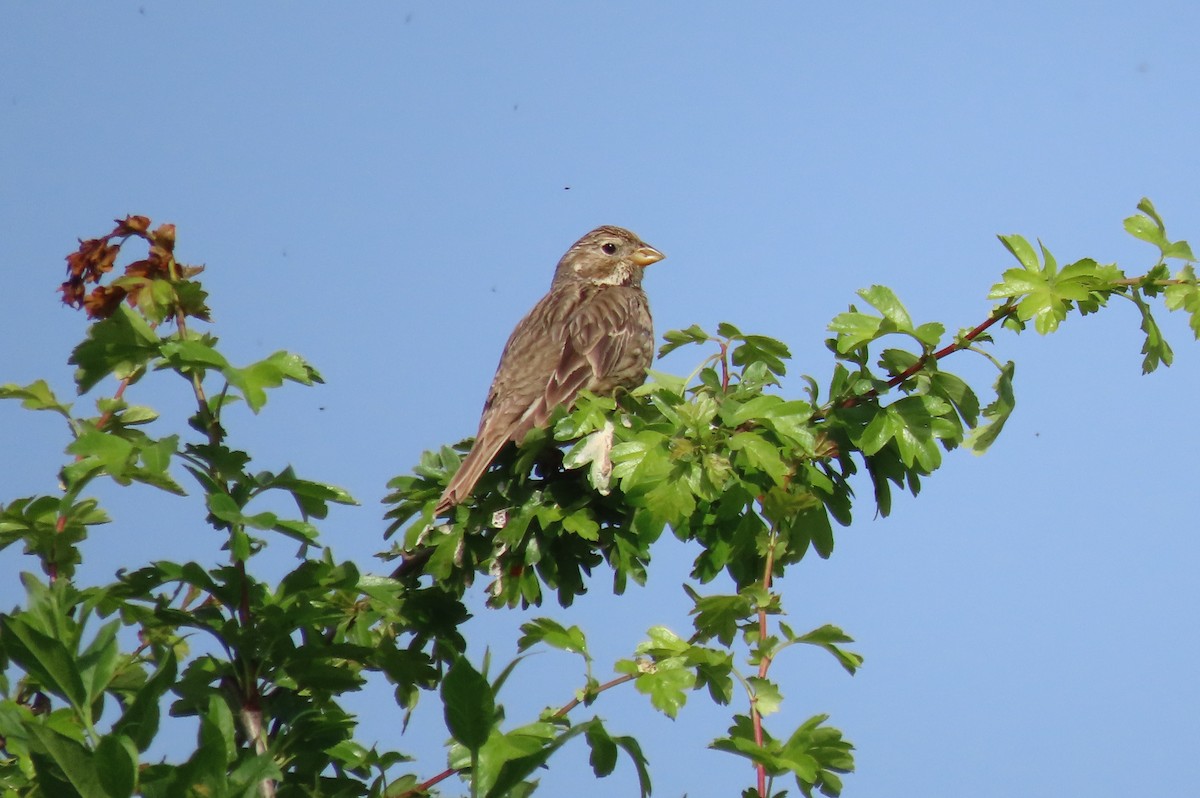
[609, 248]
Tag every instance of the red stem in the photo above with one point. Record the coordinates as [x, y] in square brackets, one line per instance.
[1002, 312]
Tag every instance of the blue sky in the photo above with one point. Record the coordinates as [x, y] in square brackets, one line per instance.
[385, 189]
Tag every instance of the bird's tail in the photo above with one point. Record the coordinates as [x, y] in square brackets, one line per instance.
[473, 465]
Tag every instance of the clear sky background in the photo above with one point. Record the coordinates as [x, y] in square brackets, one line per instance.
[385, 188]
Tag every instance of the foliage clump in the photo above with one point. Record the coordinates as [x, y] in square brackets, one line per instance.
[757, 480]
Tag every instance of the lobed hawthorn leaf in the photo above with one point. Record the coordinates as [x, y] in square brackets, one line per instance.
[824, 746]
[828, 637]
[1049, 264]
[677, 338]
[512, 768]
[930, 333]
[311, 497]
[887, 303]
[759, 349]
[554, 634]
[956, 391]
[123, 415]
[254, 380]
[996, 414]
[1147, 207]
[1155, 348]
[667, 684]
[718, 616]
[1046, 297]
[1186, 297]
[37, 395]
[110, 453]
[770, 754]
[1179, 250]
[1022, 251]
[118, 345]
[915, 425]
[854, 329]
[603, 757]
[767, 698]
[759, 455]
[1148, 229]
[714, 668]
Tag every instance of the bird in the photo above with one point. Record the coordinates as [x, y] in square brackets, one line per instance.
[591, 331]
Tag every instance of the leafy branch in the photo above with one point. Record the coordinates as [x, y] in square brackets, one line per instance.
[720, 458]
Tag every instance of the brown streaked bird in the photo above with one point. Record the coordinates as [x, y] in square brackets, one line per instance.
[591, 331]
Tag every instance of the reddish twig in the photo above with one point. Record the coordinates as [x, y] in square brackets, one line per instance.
[999, 314]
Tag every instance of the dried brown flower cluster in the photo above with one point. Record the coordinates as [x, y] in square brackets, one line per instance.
[96, 257]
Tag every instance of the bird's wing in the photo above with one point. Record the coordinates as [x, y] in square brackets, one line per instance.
[572, 340]
[601, 338]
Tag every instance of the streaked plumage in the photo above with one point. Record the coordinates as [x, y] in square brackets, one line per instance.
[591, 331]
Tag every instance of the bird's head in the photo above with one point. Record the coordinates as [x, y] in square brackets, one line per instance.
[607, 256]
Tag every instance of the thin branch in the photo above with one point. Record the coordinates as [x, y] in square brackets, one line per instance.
[424, 786]
[964, 342]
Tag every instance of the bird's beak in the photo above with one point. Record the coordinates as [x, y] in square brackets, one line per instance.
[645, 255]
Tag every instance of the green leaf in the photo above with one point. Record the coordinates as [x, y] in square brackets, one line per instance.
[252, 772]
[118, 345]
[139, 721]
[312, 497]
[469, 705]
[254, 380]
[667, 683]
[1022, 251]
[677, 338]
[824, 747]
[995, 414]
[109, 452]
[741, 742]
[116, 765]
[828, 637]
[767, 698]
[47, 660]
[603, 758]
[216, 745]
[885, 301]
[193, 355]
[73, 759]
[759, 349]
[35, 396]
[759, 455]
[1186, 297]
[956, 391]
[1156, 349]
[930, 334]
[631, 747]
[1147, 228]
[719, 616]
[662, 643]
[99, 660]
[553, 634]
[913, 424]
[855, 329]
